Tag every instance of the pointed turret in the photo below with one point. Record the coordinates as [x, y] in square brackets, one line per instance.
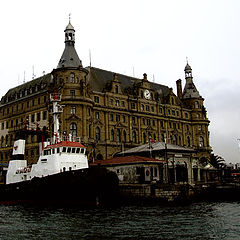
[190, 90]
[69, 57]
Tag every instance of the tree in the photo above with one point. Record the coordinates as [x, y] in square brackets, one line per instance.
[217, 161]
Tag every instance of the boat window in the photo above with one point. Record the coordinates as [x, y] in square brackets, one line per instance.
[53, 151]
[58, 150]
[82, 150]
[73, 150]
[44, 160]
[64, 149]
[69, 150]
[78, 150]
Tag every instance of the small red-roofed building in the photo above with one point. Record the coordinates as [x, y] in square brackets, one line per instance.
[135, 169]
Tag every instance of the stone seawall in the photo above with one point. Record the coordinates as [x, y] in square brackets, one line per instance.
[157, 192]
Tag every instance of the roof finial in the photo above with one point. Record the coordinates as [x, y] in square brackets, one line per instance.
[69, 15]
[187, 59]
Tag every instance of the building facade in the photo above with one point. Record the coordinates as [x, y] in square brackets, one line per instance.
[110, 112]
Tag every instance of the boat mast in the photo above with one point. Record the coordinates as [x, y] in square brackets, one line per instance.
[55, 98]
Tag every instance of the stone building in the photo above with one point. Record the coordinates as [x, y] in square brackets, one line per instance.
[110, 112]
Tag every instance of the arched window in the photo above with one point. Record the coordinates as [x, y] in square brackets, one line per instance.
[97, 134]
[188, 141]
[118, 135]
[201, 142]
[112, 135]
[134, 137]
[73, 129]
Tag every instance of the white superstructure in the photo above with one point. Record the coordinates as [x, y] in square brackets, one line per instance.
[57, 155]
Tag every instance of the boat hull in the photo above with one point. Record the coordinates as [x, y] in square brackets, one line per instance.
[92, 186]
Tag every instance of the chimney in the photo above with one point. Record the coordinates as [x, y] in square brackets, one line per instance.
[179, 88]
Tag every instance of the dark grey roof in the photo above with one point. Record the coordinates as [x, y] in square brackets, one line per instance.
[190, 90]
[188, 67]
[98, 78]
[69, 57]
[157, 147]
[35, 86]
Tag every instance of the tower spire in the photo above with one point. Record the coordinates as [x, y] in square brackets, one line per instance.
[190, 90]
[69, 57]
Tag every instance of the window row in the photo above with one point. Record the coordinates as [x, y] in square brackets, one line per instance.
[24, 92]
[24, 122]
[22, 106]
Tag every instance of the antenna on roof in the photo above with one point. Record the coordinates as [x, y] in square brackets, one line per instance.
[33, 76]
[24, 77]
[133, 72]
[90, 57]
[153, 78]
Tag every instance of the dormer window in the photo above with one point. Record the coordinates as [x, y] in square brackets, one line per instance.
[116, 89]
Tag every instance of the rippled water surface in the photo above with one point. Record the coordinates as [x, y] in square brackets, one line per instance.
[196, 221]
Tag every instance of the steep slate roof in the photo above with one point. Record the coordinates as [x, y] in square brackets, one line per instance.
[190, 91]
[69, 58]
[126, 160]
[155, 147]
[98, 79]
[42, 81]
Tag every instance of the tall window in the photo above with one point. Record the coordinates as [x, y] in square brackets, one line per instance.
[97, 115]
[124, 136]
[188, 141]
[72, 93]
[144, 137]
[118, 135]
[201, 142]
[96, 99]
[89, 131]
[73, 110]
[112, 135]
[73, 129]
[116, 89]
[97, 133]
[196, 105]
[72, 77]
[2, 141]
[134, 137]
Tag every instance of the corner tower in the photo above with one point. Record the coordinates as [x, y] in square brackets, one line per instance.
[70, 80]
[195, 102]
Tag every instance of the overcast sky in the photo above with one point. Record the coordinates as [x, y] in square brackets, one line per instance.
[133, 37]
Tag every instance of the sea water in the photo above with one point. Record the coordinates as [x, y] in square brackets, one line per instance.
[205, 220]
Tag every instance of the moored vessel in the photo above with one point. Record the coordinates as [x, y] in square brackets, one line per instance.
[61, 174]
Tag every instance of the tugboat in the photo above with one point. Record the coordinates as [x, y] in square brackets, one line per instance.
[61, 174]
